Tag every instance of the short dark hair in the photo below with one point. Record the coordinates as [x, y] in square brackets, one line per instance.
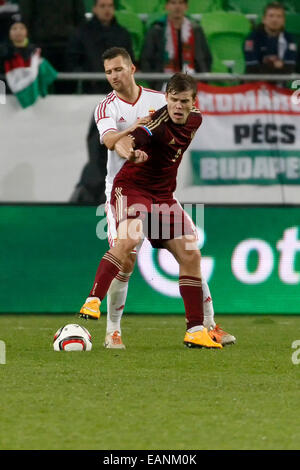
[274, 5]
[182, 82]
[114, 52]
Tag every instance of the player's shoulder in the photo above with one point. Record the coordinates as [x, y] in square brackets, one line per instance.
[108, 100]
[105, 104]
[159, 112]
[195, 110]
[153, 92]
[196, 113]
[195, 116]
[154, 96]
[157, 119]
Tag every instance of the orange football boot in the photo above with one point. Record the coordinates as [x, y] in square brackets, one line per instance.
[220, 336]
[200, 339]
[90, 310]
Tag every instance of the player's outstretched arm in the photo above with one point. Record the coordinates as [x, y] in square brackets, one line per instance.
[111, 138]
[125, 148]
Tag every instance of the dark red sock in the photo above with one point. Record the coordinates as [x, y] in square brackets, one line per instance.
[107, 270]
[191, 292]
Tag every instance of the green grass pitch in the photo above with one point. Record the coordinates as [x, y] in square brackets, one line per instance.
[157, 394]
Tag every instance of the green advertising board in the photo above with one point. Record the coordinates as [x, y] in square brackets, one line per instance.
[50, 253]
[245, 167]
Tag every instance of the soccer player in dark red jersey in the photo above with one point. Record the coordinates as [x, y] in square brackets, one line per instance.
[143, 200]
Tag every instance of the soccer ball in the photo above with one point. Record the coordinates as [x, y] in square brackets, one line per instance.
[72, 337]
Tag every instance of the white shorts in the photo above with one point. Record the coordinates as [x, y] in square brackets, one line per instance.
[112, 234]
[111, 225]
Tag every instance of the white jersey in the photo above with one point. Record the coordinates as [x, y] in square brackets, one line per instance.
[115, 114]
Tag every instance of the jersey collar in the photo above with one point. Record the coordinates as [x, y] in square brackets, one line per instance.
[128, 102]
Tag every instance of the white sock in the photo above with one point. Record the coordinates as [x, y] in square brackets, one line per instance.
[116, 298]
[195, 328]
[208, 308]
[91, 298]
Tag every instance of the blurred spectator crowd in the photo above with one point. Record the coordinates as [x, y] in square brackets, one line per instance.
[238, 36]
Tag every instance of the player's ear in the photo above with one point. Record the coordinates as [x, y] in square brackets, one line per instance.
[133, 68]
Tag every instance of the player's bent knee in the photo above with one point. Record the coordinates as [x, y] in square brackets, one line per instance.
[128, 265]
[191, 257]
[126, 246]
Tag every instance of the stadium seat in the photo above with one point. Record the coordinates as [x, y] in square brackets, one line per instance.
[142, 6]
[292, 6]
[152, 18]
[226, 33]
[292, 25]
[248, 7]
[135, 26]
[204, 6]
[88, 5]
[117, 5]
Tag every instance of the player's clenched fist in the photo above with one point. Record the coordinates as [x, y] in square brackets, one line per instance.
[137, 156]
[125, 148]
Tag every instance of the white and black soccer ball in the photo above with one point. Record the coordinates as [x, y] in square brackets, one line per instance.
[72, 337]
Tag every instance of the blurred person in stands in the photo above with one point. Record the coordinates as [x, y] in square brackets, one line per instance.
[84, 53]
[88, 43]
[51, 23]
[8, 13]
[27, 73]
[17, 43]
[269, 48]
[175, 43]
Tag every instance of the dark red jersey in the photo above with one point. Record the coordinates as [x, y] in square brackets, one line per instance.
[165, 143]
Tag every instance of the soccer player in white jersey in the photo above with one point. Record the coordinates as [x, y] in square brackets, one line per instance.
[126, 107]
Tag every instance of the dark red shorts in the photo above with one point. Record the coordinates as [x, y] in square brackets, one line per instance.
[162, 219]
